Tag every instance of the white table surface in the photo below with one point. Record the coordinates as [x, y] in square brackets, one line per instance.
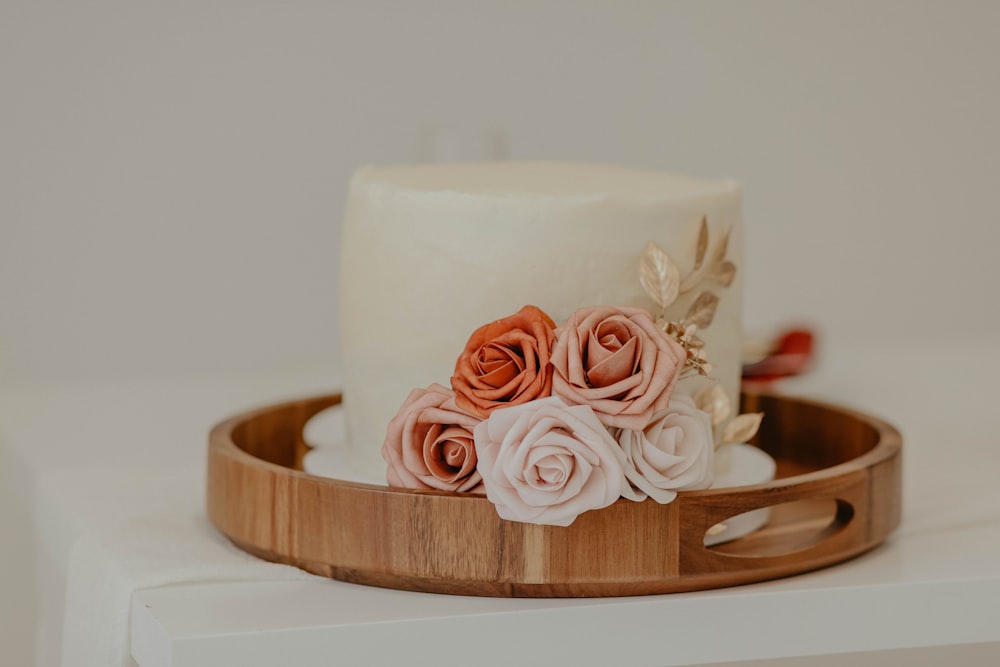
[934, 583]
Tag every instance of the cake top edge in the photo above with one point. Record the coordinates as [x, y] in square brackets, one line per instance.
[539, 179]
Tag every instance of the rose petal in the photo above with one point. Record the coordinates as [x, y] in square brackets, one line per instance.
[545, 462]
[429, 420]
[497, 374]
[505, 362]
[613, 333]
[623, 391]
[616, 367]
[675, 452]
[451, 454]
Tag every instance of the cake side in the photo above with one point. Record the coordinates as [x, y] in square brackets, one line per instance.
[430, 253]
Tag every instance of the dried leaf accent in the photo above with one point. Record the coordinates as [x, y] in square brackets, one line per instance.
[717, 269]
[702, 247]
[695, 342]
[723, 273]
[659, 276]
[713, 400]
[742, 427]
[702, 311]
[661, 280]
[719, 255]
[695, 362]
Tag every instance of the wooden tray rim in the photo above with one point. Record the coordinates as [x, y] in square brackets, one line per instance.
[870, 480]
[890, 442]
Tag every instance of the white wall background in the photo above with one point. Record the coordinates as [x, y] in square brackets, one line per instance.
[172, 176]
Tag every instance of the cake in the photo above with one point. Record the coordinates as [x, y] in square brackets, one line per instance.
[432, 253]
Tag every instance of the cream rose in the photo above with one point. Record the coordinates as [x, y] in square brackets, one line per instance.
[429, 444]
[675, 452]
[546, 462]
[618, 362]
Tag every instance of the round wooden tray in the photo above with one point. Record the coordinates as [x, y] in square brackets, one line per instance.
[837, 495]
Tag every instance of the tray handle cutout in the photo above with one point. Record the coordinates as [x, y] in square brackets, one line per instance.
[785, 528]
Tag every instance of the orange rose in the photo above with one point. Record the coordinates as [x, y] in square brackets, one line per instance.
[505, 363]
[619, 363]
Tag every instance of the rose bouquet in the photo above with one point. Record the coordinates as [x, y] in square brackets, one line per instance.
[550, 422]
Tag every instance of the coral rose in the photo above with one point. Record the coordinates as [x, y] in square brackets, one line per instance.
[618, 362]
[676, 452]
[429, 445]
[505, 363]
[545, 462]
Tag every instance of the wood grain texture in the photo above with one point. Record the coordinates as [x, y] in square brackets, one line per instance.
[838, 494]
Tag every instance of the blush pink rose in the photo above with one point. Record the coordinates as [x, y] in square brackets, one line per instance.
[429, 444]
[545, 462]
[618, 362]
[676, 452]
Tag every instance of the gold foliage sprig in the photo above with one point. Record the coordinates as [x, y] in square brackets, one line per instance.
[659, 276]
[694, 348]
[662, 281]
[718, 269]
[740, 428]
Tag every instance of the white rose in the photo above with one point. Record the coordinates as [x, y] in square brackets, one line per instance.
[676, 452]
[546, 462]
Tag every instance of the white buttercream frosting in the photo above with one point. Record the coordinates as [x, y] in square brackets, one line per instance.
[432, 252]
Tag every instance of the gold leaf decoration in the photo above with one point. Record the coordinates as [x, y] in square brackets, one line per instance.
[702, 311]
[713, 400]
[742, 427]
[692, 279]
[719, 255]
[659, 276]
[702, 248]
[723, 273]
[695, 362]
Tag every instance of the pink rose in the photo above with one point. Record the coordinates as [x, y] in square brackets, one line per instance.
[546, 462]
[675, 452]
[618, 362]
[429, 444]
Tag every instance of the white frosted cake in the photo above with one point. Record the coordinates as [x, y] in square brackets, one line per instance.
[431, 253]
